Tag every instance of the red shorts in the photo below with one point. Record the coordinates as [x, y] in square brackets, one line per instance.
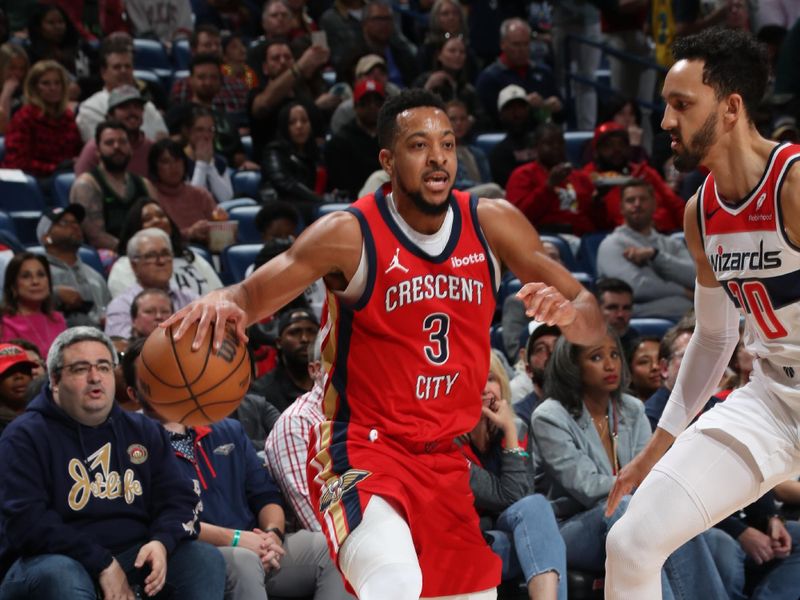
[427, 483]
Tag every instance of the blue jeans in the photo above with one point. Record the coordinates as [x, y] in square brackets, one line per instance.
[528, 542]
[688, 574]
[194, 570]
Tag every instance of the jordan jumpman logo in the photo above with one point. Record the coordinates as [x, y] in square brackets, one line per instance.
[395, 264]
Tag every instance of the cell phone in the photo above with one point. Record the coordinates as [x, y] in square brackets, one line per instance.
[319, 38]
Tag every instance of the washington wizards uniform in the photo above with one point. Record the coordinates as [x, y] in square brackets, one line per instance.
[759, 268]
[406, 363]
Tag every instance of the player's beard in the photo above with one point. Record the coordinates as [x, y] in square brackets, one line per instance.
[425, 207]
[695, 151]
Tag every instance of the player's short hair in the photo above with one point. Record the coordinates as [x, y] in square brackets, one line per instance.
[735, 63]
[405, 100]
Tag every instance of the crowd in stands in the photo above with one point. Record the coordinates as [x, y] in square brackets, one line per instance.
[155, 139]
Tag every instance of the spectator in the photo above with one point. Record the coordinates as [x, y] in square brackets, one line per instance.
[446, 19]
[41, 135]
[189, 206]
[190, 271]
[81, 292]
[16, 374]
[160, 20]
[520, 525]
[286, 80]
[34, 355]
[95, 20]
[276, 23]
[234, 62]
[149, 307]
[240, 17]
[137, 512]
[643, 364]
[615, 298]
[781, 13]
[538, 350]
[116, 69]
[231, 98]
[378, 37]
[125, 106]
[14, 66]
[514, 67]
[554, 196]
[516, 149]
[108, 190]
[292, 164]
[52, 36]
[277, 220]
[286, 445]
[473, 164]
[297, 329]
[740, 367]
[612, 165]
[342, 25]
[352, 154]
[207, 169]
[626, 112]
[28, 306]
[370, 66]
[301, 22]
[150, 252]
[584, 432]
[658, 268]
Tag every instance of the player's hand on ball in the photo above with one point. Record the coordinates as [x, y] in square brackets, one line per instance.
[546, 304]
[214, 308]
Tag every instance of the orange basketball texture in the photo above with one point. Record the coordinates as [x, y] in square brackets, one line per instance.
[193, 387]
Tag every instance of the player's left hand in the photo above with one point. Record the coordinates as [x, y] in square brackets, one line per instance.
[781, 539]
[154, 554]
[546, 304]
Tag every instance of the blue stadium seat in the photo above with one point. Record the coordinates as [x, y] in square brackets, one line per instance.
[326, 209]
[152, 78]
[508, 286]
[575, 142]
[202, 252]
[329, 77]
[587, 252]
[651, 326]
[496, 338]
[21, 195]
[247, 144]
[25, 222]
[6, 223]
[150, 55]
[62, 184]
[2, 147]
[246, 183]
[487, 141]
[234, 202]
[246, 216]
[564, 251]
[181, 54]
[236, 260]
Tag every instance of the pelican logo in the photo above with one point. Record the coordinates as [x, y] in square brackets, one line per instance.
[137, 453]
[224, 449]
[395, 264]
[336, 488]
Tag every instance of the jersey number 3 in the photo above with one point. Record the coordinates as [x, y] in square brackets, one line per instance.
[438, 324]
[754, 298]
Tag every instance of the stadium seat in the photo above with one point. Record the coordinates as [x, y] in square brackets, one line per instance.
[246, 216]
[575, 143]
[507, 287]
[487, 141]
[62, 184]
[20, 192]
[326, 209]
[6, 223]
[150, 55]
[234, 202]
[2, 147]
[152, 78]
[247, 144]
[25, 222]
[246, 183]
[587, 252]
[236, 260]
[564, 251]
[651, 326]
[496, 338]
[181, 54]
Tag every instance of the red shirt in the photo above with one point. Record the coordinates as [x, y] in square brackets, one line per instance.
[37, 143]
[570, 204]
[669, 206]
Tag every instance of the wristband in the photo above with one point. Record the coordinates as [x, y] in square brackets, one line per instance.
[236, 535]
[278, 532]
[518, 451]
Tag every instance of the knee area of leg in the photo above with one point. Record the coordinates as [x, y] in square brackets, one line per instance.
[631, 542]
[531, 507]
[62, 572]
[398, 581]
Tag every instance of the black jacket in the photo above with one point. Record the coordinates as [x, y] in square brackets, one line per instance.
[291, 174]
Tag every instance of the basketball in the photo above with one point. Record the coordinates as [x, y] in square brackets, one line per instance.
[193, 387]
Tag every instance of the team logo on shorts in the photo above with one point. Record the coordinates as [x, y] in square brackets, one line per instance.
[333, 491]
[137, 453]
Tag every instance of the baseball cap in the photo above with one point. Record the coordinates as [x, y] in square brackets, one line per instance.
[121, 95]
[368, 86]
[366, 63]
[608, 128]
[11, 356]
[509, 93]
[537, 330]
[54, 215]
[292, 316]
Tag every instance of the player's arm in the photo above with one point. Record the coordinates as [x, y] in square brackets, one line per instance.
[550, 293]
[330, 245]
[714, 340]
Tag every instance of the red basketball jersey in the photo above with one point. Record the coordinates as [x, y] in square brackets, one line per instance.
[410, 357]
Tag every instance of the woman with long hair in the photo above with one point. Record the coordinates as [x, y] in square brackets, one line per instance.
[519, 525]
[27, 311]
[42, 134]
[446, 20]
[291, 163]
[584, 433]
[207, 169]
[190, 271]
[14, 66]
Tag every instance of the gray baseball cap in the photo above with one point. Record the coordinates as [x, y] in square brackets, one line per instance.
[122, 94]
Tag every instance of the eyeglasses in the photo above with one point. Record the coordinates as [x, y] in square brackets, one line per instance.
[151, 257]
[81, 368]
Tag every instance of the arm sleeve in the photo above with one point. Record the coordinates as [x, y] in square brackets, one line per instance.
[495, 493]
[714, 340]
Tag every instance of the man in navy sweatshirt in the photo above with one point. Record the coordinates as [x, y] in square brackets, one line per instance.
[92, 497]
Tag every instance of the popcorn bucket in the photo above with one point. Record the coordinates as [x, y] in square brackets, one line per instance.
[221, 234]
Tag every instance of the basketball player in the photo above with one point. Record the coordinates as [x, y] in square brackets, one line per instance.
[743, 229]
[411, 278]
